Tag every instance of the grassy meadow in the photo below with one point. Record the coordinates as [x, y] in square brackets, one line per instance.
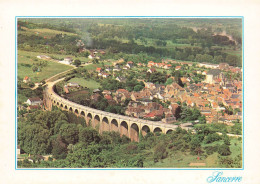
[91, 84]
[26, 61]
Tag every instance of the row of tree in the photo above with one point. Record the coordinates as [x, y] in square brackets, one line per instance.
[74, 145]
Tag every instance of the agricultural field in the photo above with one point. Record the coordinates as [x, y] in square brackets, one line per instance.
[91, 84]
[26, 60]
[45, 32]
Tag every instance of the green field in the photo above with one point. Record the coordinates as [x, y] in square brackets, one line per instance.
[45, 32]
[91, 84]
[25, 63]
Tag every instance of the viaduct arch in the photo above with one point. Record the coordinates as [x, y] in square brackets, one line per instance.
[105, 121]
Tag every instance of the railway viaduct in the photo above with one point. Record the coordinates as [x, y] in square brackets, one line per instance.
[105, 121]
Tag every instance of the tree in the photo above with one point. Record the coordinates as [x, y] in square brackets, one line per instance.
[160, 152]
[59, 148]
[138, 87]
[195, 144]
[34, 68]
[157, 77]
[169, 81]
[69, 132]
[232, 60]
[34, 139]
[224, 150]
[89, 135]
[77, 62]
[218, 59]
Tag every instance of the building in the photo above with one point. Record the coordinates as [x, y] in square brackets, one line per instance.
[44, 57]
[67, 61]
[26, 79]
[34, 101]
[151, 70]
[212, 75]
[71, 84]
[208, 65]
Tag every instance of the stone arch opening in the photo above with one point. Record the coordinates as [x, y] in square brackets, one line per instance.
[134, 132]
[70, 109]
[157, 130]
[54, 102]
[76, 111]
[58, 103]
[169, 131]
[124, 129]
[61, 105]
[66, 107]
[145, 130]
[114, 125]
[96, 122]
[82, 113]
[89, 119]
[104, 125]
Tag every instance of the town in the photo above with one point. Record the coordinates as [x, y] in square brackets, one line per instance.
[129, 95]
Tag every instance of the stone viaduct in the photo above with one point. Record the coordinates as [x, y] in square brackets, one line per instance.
[105, 121]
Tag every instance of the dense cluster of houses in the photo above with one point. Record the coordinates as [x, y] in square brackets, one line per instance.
[211, 96]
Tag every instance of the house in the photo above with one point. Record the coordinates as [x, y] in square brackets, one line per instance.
[154, 114]
[212, 75]
[204, 73]
[207, 65]
[26, 79]
[150, 64]
[71, 84]
[109, 99]
[99, 69]
[151, 70]
[106, 92]
[44, 57]
[167, 66]
[177, 68]
[126, 68]
[117, 68]
[129, 64]
[36, 158]
[149, 85]
[96, 90]
[91, 56]
[66, 89]
[34, 101]
[140, 64]
[122, 94]
[108, 69]
[66, 61]
[105, 75]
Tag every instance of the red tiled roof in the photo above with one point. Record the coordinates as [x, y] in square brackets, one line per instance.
[108, 97]
[98, 69]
